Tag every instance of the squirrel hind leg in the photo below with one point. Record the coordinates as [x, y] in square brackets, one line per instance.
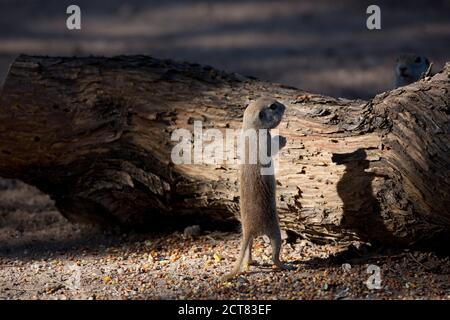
[275, 241]
[245, 246]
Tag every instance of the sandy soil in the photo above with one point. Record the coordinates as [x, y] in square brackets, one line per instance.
[307, 44]
[42, 256]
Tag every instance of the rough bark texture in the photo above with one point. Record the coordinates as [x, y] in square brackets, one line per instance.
[95, 134]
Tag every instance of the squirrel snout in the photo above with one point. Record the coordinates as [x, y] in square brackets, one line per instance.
[402, 70]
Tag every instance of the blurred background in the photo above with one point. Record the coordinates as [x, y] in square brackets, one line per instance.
[321, 46]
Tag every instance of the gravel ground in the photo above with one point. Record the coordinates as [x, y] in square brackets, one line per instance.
[42, 256]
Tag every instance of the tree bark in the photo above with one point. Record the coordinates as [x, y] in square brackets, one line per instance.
[95, 134]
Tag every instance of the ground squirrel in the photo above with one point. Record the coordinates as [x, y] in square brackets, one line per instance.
[257, 190]
[410, 68]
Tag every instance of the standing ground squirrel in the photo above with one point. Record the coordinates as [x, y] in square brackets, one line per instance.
[257, 190]
[410, 68]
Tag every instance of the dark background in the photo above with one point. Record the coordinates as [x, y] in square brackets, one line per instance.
[320, 46]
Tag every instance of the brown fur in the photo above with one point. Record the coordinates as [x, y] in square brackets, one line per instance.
[257, 191]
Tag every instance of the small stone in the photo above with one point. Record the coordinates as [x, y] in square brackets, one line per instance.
[341, 294]
[148, 243]
[192, 231]
[242, 280]
[217, 257]
[346, 267]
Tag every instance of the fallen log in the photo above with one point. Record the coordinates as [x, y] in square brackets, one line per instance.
[95, 134]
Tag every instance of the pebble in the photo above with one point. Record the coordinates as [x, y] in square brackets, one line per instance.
[192, 231]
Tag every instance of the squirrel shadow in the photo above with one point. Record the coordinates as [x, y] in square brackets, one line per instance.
[361, 209]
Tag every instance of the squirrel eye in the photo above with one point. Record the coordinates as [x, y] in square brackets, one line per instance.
[418, 60]
[262, 115]
[273, 106]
